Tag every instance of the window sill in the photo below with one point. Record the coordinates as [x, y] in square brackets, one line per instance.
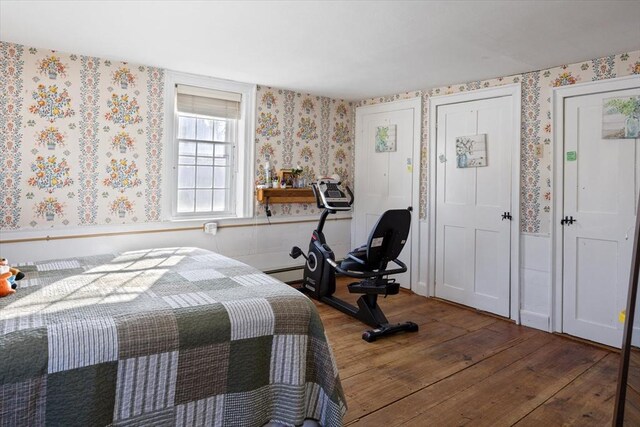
[200, 219]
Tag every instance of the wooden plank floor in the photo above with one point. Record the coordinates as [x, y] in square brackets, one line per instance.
[466, 368]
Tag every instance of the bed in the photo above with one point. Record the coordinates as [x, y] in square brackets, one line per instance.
[174, 336]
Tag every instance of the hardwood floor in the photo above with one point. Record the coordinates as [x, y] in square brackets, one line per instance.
[466, 368]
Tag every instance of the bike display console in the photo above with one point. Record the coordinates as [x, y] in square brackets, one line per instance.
[330, 196]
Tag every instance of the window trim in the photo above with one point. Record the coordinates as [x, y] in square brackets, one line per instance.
[243, 156]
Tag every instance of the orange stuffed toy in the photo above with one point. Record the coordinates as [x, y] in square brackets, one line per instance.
[5, 285]
[15, 273]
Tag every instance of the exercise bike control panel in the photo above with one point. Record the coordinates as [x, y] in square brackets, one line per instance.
[331, 196]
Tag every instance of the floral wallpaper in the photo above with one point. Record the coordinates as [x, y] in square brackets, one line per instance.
[536, 150]
[296, 129]
[82, 137]
[82, 140]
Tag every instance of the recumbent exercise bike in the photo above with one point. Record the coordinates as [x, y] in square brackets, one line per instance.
[368, 262]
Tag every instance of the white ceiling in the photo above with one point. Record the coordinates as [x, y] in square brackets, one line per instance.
[348, 49]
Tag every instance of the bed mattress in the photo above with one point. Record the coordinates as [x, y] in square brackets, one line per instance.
[174, 336]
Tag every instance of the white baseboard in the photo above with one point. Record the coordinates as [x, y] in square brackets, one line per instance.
[535, 320]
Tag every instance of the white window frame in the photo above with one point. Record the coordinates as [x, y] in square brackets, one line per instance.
[242, 157]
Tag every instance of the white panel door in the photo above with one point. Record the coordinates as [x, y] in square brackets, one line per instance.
[601, 194]
[472, 238]
[384, 180]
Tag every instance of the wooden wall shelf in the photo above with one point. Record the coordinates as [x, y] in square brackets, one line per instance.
[285, 195]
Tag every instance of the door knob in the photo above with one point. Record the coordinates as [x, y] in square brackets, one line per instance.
[507, 215]
[568, 220]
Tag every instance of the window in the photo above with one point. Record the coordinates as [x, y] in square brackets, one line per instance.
[207, 137]
[210, 153]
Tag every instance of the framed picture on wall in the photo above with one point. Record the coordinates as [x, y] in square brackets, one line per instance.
[386, 139]
[621, 118]
[471, 151]
[286, 175]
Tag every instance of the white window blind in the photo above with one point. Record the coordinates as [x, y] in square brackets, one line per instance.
[208, 102]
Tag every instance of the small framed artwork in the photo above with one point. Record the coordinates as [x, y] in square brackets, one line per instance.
[386, 139]
[621, 118]
[286, 175]
[471, 151]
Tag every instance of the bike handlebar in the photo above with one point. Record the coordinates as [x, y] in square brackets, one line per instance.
[350, 195]
[358, 274]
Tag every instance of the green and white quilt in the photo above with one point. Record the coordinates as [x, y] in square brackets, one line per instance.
[175, 336]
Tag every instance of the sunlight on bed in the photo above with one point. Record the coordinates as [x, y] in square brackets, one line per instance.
[124, 279]
[138, 264]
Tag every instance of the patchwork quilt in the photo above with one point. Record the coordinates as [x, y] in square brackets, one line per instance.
[175, 336]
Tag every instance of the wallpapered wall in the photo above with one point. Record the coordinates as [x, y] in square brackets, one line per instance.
[81, 141]
[313, 132]
[536, 150]
[82, 137]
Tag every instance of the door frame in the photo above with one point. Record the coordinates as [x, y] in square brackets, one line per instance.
[402, 104]
[558, 95]
[515, 92]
